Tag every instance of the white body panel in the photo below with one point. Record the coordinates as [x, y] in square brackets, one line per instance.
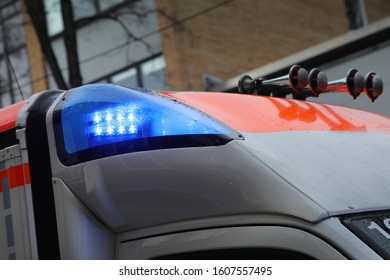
[16, 229]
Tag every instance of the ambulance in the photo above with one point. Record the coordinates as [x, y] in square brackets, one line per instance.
[108, 172]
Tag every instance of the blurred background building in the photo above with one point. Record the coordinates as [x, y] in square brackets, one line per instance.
[197, 45]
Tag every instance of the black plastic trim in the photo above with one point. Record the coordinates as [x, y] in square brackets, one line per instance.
[137, 145]
[41, 177]
[8, 138]
[255, 253]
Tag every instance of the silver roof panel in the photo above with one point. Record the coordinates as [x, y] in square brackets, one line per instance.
[344, 172]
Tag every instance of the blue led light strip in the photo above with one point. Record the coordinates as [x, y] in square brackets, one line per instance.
[117, 121]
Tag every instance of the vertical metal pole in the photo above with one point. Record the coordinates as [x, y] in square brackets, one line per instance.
[356, 13]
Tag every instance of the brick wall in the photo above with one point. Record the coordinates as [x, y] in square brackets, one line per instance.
[225, 38]
[377, 9]
[35, 56]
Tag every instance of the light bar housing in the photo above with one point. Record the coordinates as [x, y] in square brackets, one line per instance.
[101, 120]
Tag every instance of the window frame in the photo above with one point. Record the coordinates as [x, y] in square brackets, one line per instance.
[83, 21]
[138, 68]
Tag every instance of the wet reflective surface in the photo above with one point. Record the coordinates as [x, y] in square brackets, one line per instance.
[250, 113]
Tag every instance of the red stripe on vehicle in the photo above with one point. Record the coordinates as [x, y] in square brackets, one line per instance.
[18, 176]
[8, 115]
[3, 174]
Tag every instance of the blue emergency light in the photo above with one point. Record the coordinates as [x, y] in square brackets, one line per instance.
[100, 115]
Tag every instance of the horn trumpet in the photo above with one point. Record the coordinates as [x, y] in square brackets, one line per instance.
[302, 85]
[353, 83]
[295, 80]
[318, 82]
[374, 86]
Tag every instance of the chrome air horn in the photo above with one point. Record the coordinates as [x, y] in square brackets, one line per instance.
[353, 83]
[302, 85]
[318, 82]
[374, 86]
[294, 81]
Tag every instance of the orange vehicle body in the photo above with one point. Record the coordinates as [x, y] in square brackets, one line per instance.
[246, 167]
[250, 113]
[9, 114]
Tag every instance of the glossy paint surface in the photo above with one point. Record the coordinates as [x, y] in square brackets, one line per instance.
[251, 113]
[9, 114]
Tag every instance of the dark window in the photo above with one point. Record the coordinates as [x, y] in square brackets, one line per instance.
[136, 55]
[148, 73]
[81, 9]
[373, 228]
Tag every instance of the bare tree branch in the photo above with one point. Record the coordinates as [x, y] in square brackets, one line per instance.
[71, 44]
[123, 25]
[36, 10]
